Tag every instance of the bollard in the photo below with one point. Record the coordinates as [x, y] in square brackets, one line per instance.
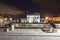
[12, 27]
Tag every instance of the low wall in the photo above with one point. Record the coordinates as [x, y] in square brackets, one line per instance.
[35, 25]
[31, 25]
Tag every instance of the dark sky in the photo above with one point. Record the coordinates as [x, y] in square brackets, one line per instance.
[43, 6]
[20, 4]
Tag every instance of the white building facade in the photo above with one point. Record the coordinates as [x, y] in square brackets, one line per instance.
[33, 18]
[23, 20]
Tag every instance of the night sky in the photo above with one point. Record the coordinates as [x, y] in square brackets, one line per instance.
[45, 7]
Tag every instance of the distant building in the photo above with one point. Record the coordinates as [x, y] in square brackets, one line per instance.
[55, 19]
[23, 20]
[42, 20]
[5, 20]
[1, 19]
[33, 18]
[10, 19]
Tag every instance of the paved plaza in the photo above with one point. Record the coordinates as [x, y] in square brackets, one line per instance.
[28, 34]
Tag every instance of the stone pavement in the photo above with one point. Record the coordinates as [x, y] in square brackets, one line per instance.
[28, 38]
[28, 34]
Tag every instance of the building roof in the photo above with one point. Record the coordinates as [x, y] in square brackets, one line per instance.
[34, 14]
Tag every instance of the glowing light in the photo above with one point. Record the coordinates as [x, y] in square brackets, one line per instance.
[46, 18]
[1, 20]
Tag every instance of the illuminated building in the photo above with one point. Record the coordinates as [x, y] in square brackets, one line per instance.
[10, 19]
[52, 19]
[23, 20]
[55, 19]
[1, 19]
[42, 20]
[33, 18]
[5, 20]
